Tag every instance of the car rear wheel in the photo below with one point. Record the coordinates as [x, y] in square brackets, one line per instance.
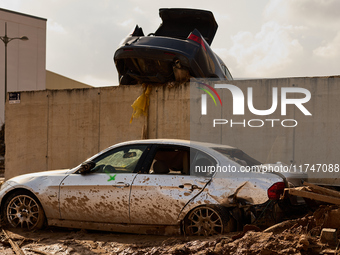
[207, 221]
[24, 210]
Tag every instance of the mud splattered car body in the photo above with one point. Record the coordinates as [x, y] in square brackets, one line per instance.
[180, 48]
[147, 186]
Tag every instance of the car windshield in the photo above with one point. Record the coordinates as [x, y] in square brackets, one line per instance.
[120, 160]
[237, 156]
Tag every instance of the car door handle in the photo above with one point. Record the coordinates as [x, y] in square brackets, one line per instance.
[193, 186]
[121, 184]
[185, 184]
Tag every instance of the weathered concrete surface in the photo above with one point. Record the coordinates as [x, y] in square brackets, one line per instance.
[60, 129]
[72, 126]
[26, 134]
[57, 129]
[169, 115]
[315, 140]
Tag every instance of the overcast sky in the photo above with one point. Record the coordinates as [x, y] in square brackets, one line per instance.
[256, 39]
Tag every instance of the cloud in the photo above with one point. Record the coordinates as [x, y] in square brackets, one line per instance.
[138, 10]
[55, 27]
[272, 38]
[126, 23]
[320, 38]
[329, 50]
[266, 53]
[316, 13]
[222, 17]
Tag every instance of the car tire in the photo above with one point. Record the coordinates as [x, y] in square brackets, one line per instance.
[24, 210]
[208, 220]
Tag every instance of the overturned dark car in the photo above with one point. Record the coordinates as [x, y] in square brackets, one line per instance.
[178, 50]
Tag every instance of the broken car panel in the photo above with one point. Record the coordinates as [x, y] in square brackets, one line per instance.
[178, 50]
[146, 186]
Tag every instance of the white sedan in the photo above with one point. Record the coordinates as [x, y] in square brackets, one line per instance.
[160, 186]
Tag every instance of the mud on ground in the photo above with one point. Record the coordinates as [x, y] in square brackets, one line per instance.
[61, 241]
[300, 236]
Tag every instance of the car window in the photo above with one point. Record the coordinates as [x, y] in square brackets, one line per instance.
[171, 160]
[181, 160]
[237, 156]
[202, 163]
[119, 160]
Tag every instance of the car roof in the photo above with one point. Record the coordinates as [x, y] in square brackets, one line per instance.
[206, 147]
[189, 143]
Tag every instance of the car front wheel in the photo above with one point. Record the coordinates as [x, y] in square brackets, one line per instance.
[24, 210]
[208, 220]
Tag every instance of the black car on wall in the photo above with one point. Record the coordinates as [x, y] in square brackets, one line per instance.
[179, 49]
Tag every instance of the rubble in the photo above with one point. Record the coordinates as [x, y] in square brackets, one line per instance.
[315, 192]
[328, 235]
[14, 245]
[298, 236]
[315, 233]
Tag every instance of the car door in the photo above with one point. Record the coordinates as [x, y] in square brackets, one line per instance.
[158, 196]
[103, 194]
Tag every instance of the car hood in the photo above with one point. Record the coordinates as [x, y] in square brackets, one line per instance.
[25, 177]
[179, 23]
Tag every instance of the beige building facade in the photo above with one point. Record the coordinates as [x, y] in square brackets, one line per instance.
[26, 60]
[57, 81]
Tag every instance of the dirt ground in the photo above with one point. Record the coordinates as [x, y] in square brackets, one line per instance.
[299, 236]
[64, 241]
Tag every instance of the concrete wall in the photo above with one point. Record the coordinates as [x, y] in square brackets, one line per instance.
[61, 128]
[56, 129]
[315, 139]
[26, 60]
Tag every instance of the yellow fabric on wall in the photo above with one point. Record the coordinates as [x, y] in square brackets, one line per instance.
[141, 104]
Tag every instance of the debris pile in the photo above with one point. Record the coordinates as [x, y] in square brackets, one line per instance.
[316, 233]
[299, 236]
[314, 192]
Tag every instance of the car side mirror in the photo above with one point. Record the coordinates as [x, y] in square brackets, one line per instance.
[86, 167]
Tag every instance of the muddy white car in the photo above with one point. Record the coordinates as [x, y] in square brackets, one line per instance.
[148, 186]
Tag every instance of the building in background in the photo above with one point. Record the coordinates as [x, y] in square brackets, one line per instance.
[26, 63]
[26, 60]
[57, 81]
